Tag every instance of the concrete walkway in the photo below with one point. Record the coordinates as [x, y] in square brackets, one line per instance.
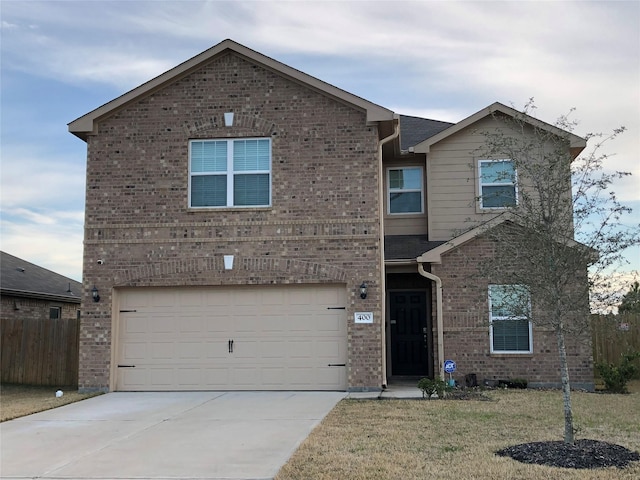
[185, 435]
[393, 391]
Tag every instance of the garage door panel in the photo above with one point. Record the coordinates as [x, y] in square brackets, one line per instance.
[162, 351]
[164, 324]
[134, 323]
[284, 337]
[328, 349]
[190, 350]
[273, 377]
[190, 378]
[272, 349]
[162, 377]
[165, 298]
[190, 324]
[301, 349]
[301, 297]
[132, 379]
[216, 349]
[189, 300]
[134, 351]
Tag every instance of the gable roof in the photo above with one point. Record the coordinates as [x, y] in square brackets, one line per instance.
[434, 255]
[414, 130]
[84, 126]
[24, 279]
[577, 144]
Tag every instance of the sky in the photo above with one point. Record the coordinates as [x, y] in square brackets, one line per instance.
[441, 60]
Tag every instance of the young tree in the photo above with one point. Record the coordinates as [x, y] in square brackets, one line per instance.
[630, 302]
[563, 220]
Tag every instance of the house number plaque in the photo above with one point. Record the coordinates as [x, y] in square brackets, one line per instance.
[363, 317]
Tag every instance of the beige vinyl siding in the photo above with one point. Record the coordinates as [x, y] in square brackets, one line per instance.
[451, 180]
[452, 173]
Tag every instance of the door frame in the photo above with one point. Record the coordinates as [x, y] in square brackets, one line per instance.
[429, 322]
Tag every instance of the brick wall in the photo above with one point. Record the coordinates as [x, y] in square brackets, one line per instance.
[466, 330]
[323, 225]
[20, 308]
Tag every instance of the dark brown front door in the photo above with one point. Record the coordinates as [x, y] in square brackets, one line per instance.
[409, 335]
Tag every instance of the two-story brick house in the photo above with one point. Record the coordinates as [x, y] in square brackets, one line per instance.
[249, 226]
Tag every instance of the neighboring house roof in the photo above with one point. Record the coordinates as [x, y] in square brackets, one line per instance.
[404, 247]
[414, 130]
[577, 144]
[87, 124]
[24, 279]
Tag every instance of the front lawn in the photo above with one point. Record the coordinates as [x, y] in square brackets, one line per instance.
[455, 439]
[20, 400]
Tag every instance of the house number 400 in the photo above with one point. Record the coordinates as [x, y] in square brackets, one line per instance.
[363, 317]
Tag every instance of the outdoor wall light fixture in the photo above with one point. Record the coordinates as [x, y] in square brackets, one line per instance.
[363, 290]
[94, 294]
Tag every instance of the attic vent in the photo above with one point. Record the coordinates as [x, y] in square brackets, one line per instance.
[20, 269]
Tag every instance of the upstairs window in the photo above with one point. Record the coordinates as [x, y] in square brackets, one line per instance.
[509, 313]
[230, 173]
[405, 192]
[498, 186]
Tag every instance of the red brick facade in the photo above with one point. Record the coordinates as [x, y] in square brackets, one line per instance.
[322, 227]
[466, 330]
[22, 308]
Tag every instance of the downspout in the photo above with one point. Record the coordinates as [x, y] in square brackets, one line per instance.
[439, 320]
[383, 276]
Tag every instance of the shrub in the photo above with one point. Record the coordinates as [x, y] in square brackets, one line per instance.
[430, 386]
[615, 377]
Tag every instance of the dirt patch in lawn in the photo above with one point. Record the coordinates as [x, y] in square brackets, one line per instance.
[20, 400]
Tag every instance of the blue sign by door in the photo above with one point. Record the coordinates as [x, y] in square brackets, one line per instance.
[449, 366]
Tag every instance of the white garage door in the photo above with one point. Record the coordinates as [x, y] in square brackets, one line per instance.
[232, 338]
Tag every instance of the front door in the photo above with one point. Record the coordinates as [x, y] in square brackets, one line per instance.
[409, 334]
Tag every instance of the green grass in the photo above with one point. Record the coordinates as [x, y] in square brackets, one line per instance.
[455, 439]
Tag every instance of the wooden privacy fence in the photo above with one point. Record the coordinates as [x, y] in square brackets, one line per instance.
[39, 352]
[613, 336]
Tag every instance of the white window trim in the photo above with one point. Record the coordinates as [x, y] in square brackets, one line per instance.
[230, 173]
[500, 318]
[407, 190]
[480, 184]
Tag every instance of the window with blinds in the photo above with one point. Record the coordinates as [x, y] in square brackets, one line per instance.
[509, 316]
[230, 173]
[498, 184]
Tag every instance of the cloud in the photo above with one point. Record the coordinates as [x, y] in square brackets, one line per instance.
[441, 60]
[50, 239]
[33, 177]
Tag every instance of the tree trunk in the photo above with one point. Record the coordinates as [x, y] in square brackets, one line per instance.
[566, 386]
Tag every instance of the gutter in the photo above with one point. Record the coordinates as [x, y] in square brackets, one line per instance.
[40, 295]
[439, 319]
[383, 275]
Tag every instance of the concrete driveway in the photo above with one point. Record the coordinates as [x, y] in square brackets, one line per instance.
[177, 435]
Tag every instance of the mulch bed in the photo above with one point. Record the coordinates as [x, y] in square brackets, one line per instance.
[583, 454]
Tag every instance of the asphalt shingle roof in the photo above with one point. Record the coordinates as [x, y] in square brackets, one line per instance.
[414, 130]
[404, 247]
[23, 278]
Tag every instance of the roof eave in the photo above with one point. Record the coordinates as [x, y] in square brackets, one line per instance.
[40, 295]
[576, 143]
[86, 125]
